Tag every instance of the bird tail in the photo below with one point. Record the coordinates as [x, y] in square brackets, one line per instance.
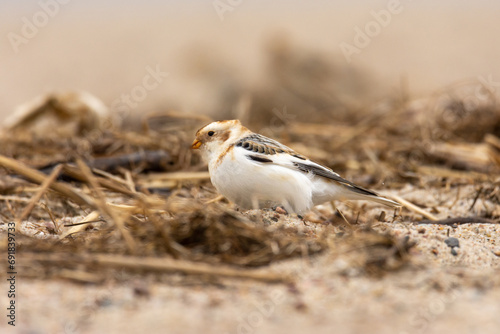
[359, 193]
[381, 200]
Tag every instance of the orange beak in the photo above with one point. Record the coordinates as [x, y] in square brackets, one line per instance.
[196, 144]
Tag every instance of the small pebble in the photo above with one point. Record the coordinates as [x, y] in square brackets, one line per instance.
[452, 242]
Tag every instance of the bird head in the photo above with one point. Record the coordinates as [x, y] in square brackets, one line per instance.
[214, 138]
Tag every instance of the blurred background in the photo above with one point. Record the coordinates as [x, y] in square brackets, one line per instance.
[221, 57]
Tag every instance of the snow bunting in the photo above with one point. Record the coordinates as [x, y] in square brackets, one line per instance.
[254, 171]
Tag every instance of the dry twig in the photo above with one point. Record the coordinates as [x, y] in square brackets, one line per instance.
[167, 265]
[459, 220]
[412, 207]
[43, 188]
[38, 177]
[105, 209]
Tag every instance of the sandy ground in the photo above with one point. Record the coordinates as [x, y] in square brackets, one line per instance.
[439, 299]
[436, 292]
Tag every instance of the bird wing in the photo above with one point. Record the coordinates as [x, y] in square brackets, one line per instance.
[264, 150]
[266, 146]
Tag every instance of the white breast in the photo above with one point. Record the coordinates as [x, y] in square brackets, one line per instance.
[251, 184]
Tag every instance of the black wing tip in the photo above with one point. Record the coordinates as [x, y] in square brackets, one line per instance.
[298, 156]
[360, 190]
[324, 172]
[259, 158]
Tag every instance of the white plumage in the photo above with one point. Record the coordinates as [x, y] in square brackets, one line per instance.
[254, 171]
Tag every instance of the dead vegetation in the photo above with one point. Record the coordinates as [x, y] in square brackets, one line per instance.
[139, 199]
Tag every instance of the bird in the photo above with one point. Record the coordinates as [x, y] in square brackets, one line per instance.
[257, 172]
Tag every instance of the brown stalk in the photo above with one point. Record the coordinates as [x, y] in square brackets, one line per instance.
[43, 188]
[105, 209]
[155, 264]
[38, 177]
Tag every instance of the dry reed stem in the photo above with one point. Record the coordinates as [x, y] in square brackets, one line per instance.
[216, 199]
[492, 140]
[446, 172]
[460, 220]
[156, 264]
[469, 156]
[80, 276]
[43, 188]
[38, 177]
[493, 147]
[14, 199]
[91, 217]
[339, 212]
[105, 209]
[110, 184]
[110, 176]
[412, 207]
[180, 176]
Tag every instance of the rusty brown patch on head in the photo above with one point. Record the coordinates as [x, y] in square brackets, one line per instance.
[225, 135]
[236, 121]
[223, 155]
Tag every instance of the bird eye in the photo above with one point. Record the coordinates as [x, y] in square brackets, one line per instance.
[211, 133]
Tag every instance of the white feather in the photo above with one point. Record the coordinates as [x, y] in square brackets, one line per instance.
[247, 183]
[254, 171]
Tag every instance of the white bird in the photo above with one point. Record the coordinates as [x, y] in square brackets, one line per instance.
[256, 172]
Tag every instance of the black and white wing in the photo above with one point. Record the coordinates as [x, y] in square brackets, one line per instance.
[264, 150]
